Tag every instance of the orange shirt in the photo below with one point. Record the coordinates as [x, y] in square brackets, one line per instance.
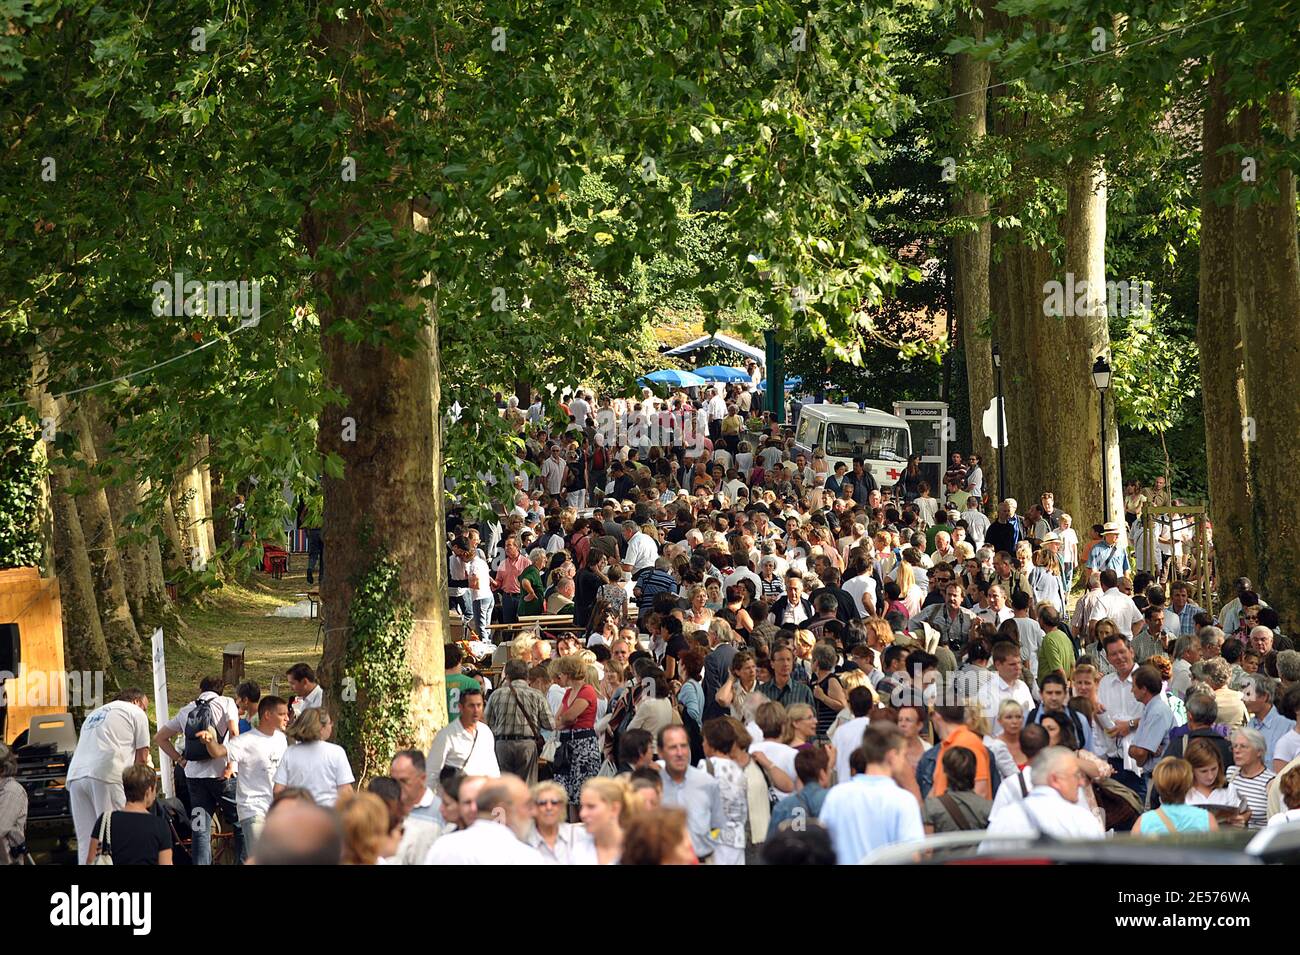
[963, 737]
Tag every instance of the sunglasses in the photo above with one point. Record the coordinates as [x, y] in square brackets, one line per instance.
[548, 802]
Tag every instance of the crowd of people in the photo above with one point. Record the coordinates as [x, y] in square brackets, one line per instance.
[767, 658]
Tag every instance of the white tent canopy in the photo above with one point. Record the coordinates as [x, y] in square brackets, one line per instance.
[720, 341]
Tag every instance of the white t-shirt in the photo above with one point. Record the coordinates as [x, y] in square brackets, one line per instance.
[1282, 818]
[109, 738]
[258, 756]
[845, 740]
[1121, 610]
[226, 715]
[478, 567]
[1287, 748]
[856, 587]
[782, 757]
[579, 408]
[312, 701]
[320, 767]
[642, 551]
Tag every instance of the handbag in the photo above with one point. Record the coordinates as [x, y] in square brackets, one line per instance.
[561, 755]
[105, 856]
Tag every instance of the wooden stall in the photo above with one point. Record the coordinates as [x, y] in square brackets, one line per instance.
[32, 603]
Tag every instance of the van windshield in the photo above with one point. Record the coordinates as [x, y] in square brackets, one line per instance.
[846, 440]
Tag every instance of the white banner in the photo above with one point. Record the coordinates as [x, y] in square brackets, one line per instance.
[162, 712]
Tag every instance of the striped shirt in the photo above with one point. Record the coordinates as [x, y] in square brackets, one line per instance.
[652, 582]
[1254, 792]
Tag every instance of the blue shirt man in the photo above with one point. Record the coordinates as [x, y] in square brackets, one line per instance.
[1109, 555]
[1151, 736]
[806, 804]
[1272, 727]
[871, 811]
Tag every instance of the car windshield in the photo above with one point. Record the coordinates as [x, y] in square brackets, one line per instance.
[866, 441]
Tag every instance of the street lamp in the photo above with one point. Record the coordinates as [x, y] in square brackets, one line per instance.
[1101, 378]
[1002, 438]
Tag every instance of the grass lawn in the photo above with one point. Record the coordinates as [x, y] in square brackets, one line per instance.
[238, 614]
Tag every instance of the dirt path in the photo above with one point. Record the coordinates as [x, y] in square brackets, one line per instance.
[239, 614]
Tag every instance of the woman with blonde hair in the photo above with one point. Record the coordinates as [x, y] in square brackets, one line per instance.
[369, 831]
[909, 591]
[981, 723]
[800, 726]
[576, 720]
[312, 762]
[1011, 718]
[1173, 779]
[1045, 578]
[608, 805]
[554, 838]
[696, 612]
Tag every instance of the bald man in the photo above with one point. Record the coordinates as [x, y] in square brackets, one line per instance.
[1054, 808]
[504, 816]
[298, 832]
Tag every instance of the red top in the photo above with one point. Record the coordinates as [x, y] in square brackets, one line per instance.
[588, 718]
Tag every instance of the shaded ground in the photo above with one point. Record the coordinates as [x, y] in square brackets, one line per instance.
[239, 614]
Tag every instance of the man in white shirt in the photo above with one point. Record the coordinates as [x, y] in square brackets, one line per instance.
[1031, 633]
[204, 774]
[1005, 685]
[553, 469]
[477, 600]
[641, 548]
[257, 753]
[1118, 606]
[302, 680]
[424, 822]
[977, 523]
[112, 738]
[465, 743]
[997, 611]
[1053, 807]
[496, 837]
[717, 406]
[1033, 740]
[862, 588]
[580, 409]
[1120, 711]
[849, 736]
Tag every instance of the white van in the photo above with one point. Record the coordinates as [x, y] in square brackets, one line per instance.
[844, 432]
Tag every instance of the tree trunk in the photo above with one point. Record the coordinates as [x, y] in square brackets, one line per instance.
[121, 491]
[970, 79]
[173, 559]
[1074, 463]
[105, 562]
[1218, 336]
[390, 495]
[1268, 303]
[84, 646]
[190, 503]
[205, 488]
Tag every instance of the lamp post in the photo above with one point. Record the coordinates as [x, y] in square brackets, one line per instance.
[1101, 378]
[1002, 438]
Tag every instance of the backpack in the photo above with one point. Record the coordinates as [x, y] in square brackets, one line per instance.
[202, 717]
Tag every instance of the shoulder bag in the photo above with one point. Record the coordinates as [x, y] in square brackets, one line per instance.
[105, 856]
[955, 812]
